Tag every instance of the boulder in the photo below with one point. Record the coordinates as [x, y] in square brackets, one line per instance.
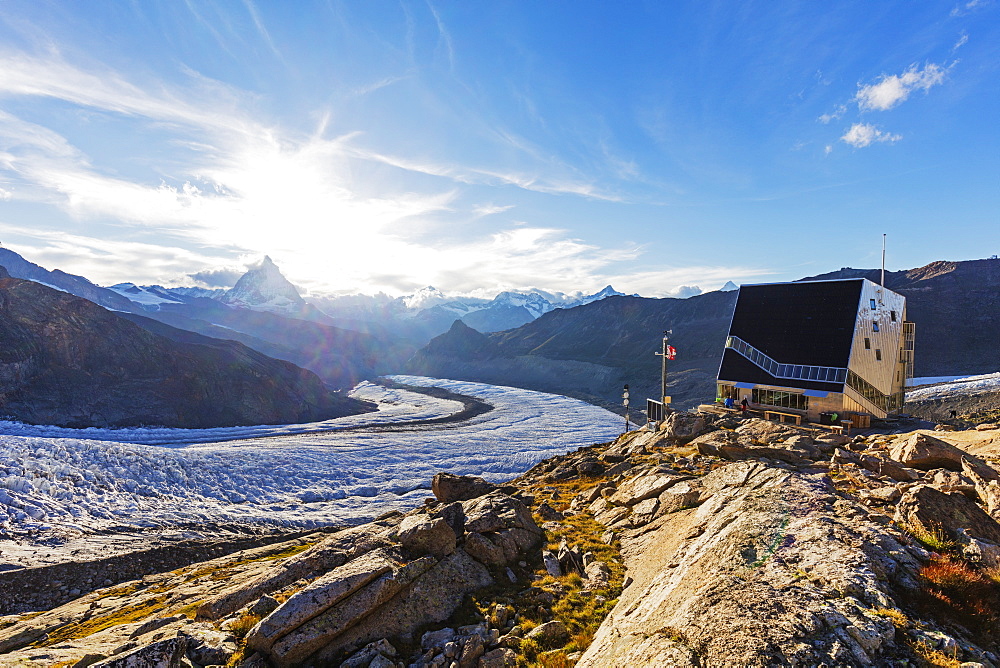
[740, 452]
[643, 487]
[925, 452]
[988, 491]
[295, 646]
[548, 513]
[448, 487]
[326, 591]
[497, 511]
[365, 657]
[207, 646]
[474, 648]
[680, 426]
[336, 550]
[765, 431]
[597, 574]
[645, 511]
[501, 657]
[484, 550]
[682, 495]
[550, 634]
[429, 600]
[551, 562]
[454, 515]
[167, 653]
[931, 509]
[590, 468]
[421, 534]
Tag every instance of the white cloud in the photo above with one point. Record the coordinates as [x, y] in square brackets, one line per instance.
[490, 209]
[834, 115]
[962, 40]
[828, 149]
[863, 134]
[963, 8]
[891, 90]
[685, 291]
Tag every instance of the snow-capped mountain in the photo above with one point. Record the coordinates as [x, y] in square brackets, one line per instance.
[147, 295]
[729, 287]
[264, 288]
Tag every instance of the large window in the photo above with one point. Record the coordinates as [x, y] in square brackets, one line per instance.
[780, 399]
[727, 391]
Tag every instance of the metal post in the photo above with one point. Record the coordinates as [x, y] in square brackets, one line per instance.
[625, 401]
[883, 260]
[663, 370]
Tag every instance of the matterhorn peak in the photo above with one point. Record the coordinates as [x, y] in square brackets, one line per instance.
[264, 288]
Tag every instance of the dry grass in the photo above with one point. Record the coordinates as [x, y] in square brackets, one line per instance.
[898, 619]
[131, 613]
[929, 656]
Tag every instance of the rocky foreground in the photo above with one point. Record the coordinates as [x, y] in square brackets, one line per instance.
[713, 541]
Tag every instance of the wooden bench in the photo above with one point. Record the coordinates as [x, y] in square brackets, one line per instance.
[781, 416]
[836, 429]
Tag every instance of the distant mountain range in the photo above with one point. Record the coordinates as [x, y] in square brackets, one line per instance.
[587, 346]
[67, 361]
[590, 352]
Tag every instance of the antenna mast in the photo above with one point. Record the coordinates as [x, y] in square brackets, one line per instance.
[883, 260]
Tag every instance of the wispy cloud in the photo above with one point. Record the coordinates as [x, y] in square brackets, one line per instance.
[892, 89]
[963, 8]
[833, 115]
[490, 209]
[864, 134]
[246, 188]
[962, 40]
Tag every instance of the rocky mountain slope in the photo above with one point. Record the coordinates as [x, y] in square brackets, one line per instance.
[715, 540]
[592, 350]
[66, 361]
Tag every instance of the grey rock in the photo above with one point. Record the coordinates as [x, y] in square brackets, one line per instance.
[437, 639]
[484, 550]
[420, 535]
[499, 658]
[207, 646]
[429, 600]
[319, 596]
[551, 562]
[316, 633]
[930, 508]
[471, 651]
[496, 512]
[167, 653]
[550, 634]
[264, 606]
[448, 487]
[644, 487]
[381, 650]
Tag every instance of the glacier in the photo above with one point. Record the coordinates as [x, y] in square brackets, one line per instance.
[66, 482]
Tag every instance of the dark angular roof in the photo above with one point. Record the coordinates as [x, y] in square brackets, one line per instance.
[809, 323]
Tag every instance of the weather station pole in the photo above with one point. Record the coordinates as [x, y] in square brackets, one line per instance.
[667, 352]
[663, 368]
[625, 402]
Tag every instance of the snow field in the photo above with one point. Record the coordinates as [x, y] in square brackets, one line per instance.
[68, 482]
[968, 385]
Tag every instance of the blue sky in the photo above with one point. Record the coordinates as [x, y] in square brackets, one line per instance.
[480, 146]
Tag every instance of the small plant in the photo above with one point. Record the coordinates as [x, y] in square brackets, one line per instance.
[934, 657]
[243, 624]
[898, 619]
[933, 538]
